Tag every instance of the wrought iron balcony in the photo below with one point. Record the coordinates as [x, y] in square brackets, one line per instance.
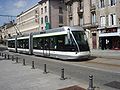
[93, 8]
[91, 25]
[68, 1]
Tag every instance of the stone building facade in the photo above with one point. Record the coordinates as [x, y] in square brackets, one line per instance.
[83, 13]
[109, 24]
[100, 18]
[46, 14]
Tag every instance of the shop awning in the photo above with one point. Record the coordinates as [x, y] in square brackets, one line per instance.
[108, 34]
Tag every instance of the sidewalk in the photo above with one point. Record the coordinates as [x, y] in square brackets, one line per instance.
[110, 54]
[18, 77]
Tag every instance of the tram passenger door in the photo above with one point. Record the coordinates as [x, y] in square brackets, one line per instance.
[46, 50]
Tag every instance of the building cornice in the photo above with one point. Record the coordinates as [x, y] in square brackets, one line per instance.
[42, 1]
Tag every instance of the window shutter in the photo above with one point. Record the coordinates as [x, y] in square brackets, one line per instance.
[104, 21]
[101, 20]
[99, 4]
[109, 19]
[114, 18]
[115, 2]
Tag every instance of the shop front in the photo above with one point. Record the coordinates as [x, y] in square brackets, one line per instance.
[109, 38]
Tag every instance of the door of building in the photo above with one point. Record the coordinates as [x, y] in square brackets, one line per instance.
[94, 41]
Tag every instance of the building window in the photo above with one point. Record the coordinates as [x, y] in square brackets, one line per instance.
[41, 28]
[36, 11]
[60, 10]
[42, 20]
[93, 18]
[45, 9]
[112, 19]
[60, 19]
[102, 4]
[81, 20]
[102, 21]
[81, 4]
[70, 9]
[46, 18]
[41, 10]
[112, 2]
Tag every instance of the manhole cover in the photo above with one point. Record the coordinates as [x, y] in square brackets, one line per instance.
[113, 84]
[72, 88]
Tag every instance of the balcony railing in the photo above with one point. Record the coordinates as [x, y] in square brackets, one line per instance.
[91, 25]
[68, 1]
[93, 8]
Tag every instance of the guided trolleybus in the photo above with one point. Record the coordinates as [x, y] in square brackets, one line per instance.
[63, 43]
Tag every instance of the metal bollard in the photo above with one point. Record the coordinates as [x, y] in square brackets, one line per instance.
[8, 56]
[12, 58]
[62, 74]
[24, 62]
[33, 66]
[90, 83]
[16, 59]
[45, 69]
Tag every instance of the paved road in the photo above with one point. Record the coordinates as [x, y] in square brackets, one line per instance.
[14, 76]
[77, 71]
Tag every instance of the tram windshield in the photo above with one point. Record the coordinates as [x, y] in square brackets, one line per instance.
[81, 40]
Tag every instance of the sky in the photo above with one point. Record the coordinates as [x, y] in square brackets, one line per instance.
[14, 8]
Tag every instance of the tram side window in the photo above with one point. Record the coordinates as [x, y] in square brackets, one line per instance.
[26, 43]
[61, 43]
[38, 43]
[23, 43]
[19, 45]
[35, 43]
[53, 43]
[47, 43]
[11, 44]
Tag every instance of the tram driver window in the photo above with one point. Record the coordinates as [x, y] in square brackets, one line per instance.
[69, 44]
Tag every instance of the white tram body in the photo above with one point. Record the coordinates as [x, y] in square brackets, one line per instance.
[23, 44]
[63, 43]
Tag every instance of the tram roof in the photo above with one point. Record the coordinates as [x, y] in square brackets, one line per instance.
[60, 29]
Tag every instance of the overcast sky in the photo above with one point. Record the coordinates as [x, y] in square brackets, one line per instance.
[14, 7]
